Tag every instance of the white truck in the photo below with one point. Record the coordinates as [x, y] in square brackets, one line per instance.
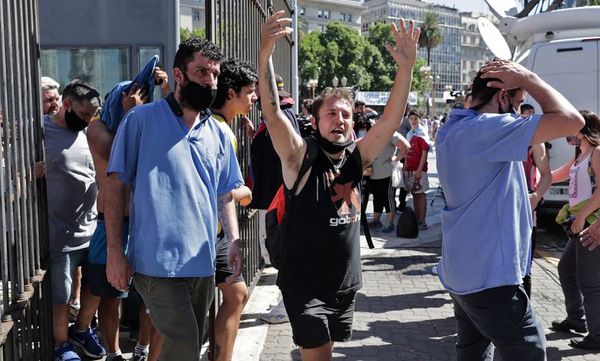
[563, 48]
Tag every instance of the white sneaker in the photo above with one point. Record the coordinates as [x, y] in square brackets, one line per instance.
[276, 315]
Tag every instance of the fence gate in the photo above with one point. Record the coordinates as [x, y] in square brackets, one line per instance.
[234, 25]
[26, 328]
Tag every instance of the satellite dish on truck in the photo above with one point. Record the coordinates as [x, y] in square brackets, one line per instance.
[493, 39]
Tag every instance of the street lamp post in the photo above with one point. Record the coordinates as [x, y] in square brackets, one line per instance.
[312, 84]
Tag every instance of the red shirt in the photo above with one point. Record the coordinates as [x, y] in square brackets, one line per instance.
[418, 145]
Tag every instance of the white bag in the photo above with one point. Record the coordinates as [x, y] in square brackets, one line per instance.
[397, 179]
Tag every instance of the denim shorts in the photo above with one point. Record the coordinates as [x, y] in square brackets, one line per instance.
[62, 269]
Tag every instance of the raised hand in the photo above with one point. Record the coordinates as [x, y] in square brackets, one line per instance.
[275, 28]
[510, 75]
[404, 51]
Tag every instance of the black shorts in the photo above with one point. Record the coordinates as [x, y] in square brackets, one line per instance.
[99, 286]
[317, 320]
[222, 271]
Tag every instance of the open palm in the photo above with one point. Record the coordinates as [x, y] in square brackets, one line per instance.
[404, 51]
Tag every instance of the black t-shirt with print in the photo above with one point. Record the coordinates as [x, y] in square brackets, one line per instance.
[322, 248]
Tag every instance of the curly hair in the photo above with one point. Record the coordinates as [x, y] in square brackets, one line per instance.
[235, 74]
[187, 48]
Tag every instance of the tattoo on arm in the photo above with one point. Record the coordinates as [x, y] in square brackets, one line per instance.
[224, 214]
[272, 85]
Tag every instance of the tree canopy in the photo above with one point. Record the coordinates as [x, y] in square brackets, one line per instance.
[341, 51]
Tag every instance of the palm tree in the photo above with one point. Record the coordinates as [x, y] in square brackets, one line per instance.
[431, 35]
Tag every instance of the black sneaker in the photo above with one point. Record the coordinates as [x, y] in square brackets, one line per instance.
[568, 326]
[585, 343]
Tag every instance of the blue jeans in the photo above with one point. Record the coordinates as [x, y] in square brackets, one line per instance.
[500, 317]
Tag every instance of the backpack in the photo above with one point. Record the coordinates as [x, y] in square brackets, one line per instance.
[275, 218]
[407, 224]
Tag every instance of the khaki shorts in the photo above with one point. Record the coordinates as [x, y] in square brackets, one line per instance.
[411, 186]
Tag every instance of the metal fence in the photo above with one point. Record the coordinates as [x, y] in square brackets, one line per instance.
[234, 25]
[26, 329]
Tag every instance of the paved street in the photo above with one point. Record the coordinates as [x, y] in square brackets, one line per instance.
[403, 313]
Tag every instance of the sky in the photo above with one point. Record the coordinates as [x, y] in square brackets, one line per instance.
[464, 5]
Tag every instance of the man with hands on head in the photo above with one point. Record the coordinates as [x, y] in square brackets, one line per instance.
[324, 222]
[182, 168]
[479, 155]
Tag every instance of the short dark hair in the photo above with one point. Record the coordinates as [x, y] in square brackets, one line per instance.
[415, 113]
[359, 103]
[526, 106]
[308, 104]
[187, 49]
[591, 129]
[235, 74]
[79, 92]
[339, 93]
[480, 92]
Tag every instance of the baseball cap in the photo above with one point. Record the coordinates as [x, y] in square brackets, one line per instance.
[282, 92]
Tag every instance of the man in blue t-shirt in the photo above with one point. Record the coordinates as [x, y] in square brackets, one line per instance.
[181, 167]
[486, 223]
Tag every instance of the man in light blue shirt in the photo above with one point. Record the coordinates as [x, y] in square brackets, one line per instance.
[486, 224]
[181, 167]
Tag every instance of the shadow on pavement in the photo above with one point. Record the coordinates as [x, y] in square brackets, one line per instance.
[383, 304]
[405, 340]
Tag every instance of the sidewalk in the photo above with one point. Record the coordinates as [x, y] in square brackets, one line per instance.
[402, 312]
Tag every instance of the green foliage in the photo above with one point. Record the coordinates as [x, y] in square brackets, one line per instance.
[431, 35]
[342, 51]
[185, 33]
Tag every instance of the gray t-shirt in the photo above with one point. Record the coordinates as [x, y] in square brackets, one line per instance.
[71, 187]
[382, 166]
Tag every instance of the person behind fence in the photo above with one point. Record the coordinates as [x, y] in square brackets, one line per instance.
[579, 267]
[380, 183]
[414, 172]
[72, 189]
[50, 96]
[235, 96]
[182, 168]
[320, 269]
[486, 223]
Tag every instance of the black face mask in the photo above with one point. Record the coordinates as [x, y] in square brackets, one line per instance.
[196, 96]
[74, 122]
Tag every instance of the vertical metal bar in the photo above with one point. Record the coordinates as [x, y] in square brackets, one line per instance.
[210, 20]
[4, 194]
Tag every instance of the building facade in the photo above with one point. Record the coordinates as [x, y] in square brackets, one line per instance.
[474, 51]
[445, 58]
[315, 14]
[192, 14]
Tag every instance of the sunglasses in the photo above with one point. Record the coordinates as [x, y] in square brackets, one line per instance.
[571, 138]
